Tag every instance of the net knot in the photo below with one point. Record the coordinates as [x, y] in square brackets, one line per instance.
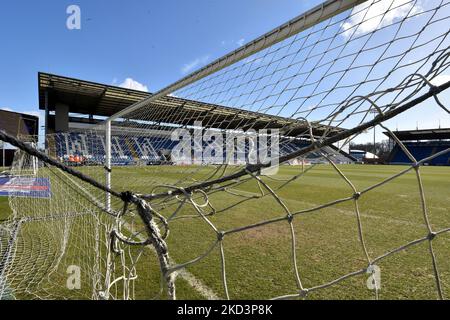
[357, 195]
[303, 293]
[251, 168]
[127, 196]
[220, 235]
[434, 90]
[317, 143]
[102, 295]
[371, 269]
[290, 218]
[431, 235]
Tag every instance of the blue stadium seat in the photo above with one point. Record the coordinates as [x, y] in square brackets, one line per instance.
[126, 151]
[421, 150]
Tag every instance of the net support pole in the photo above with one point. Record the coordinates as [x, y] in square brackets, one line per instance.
[108, 162]
[34, 161]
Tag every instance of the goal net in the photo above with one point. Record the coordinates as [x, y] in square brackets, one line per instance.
[190, 189]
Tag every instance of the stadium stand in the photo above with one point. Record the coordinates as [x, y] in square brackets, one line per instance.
[73, 108]
[421, 144]
[89, 149]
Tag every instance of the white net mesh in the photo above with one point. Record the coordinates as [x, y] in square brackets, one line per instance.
[243, 232]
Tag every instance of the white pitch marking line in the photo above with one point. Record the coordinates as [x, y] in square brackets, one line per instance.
[194, 282]
[344, 211]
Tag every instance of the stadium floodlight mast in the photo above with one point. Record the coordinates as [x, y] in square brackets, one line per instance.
[374, 112]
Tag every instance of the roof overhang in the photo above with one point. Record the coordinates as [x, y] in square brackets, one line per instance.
[425, 134]
[90, 98]
[85, 97]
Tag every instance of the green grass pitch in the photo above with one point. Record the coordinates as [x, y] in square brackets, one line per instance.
[259, 261]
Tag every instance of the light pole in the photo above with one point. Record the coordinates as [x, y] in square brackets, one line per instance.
[374, 140]
[375, 112]
[3, 154]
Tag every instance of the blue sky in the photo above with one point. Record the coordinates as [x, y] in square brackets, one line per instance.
[152, 42]
[144, 44]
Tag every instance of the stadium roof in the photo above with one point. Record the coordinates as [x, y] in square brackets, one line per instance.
[97, 99]
[85, 97]
[424, 134]
[16, 123]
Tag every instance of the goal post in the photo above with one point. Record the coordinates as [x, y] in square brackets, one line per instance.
[316, 77]
[108, 162]
[321, 79]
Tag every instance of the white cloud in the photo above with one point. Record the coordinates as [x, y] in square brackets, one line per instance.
[241, 42]
[6, 109]
[188, 67]
[369, 16]
[440, 79]
[129, 83]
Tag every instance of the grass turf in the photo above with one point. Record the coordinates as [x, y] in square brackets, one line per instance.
[259, 260]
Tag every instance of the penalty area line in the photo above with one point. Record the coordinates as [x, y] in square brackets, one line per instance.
[193, 281]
